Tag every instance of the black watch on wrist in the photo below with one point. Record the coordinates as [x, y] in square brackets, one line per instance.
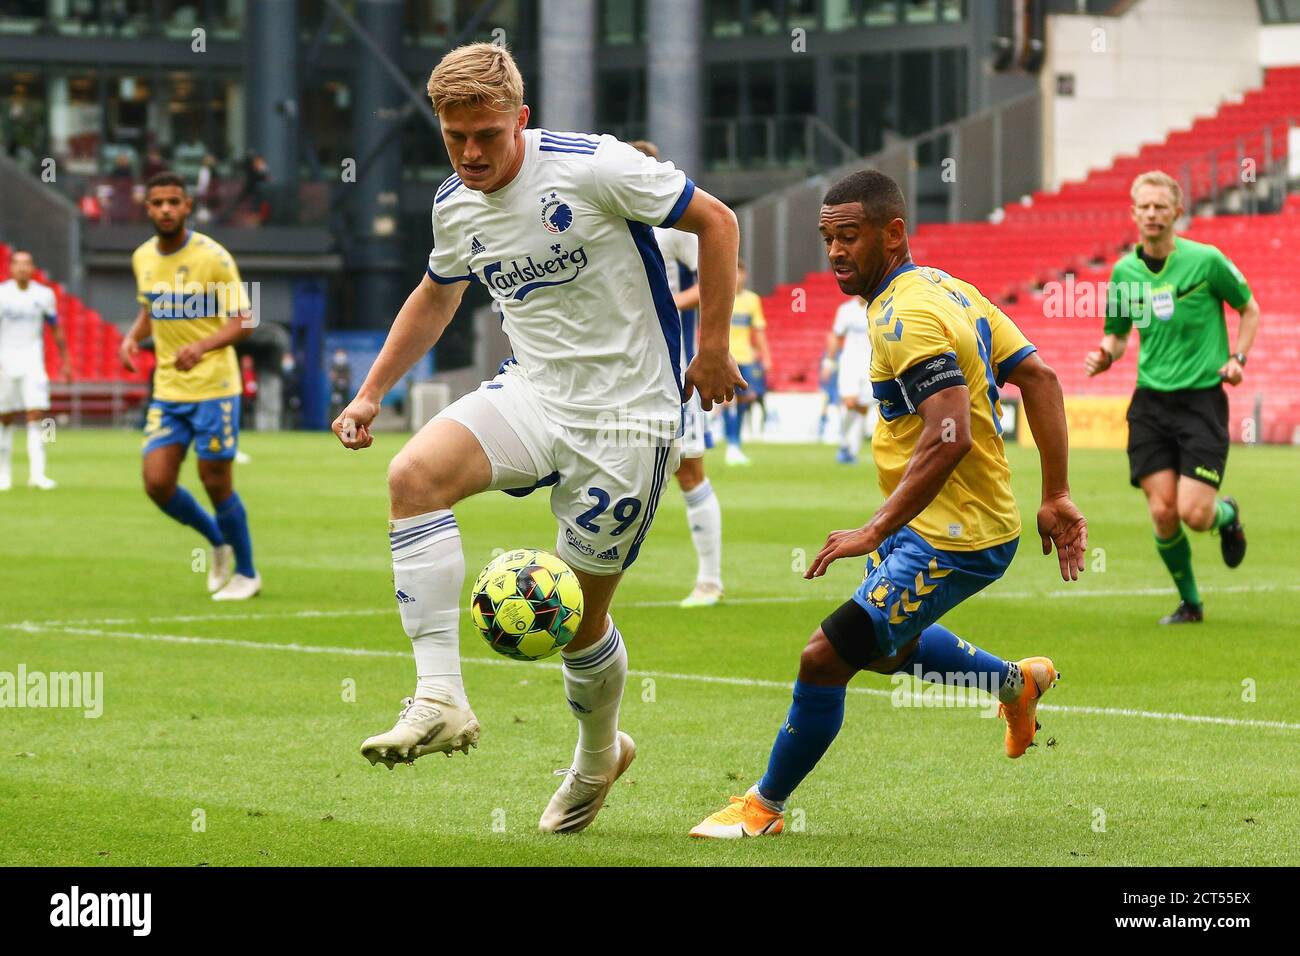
[1239, 358]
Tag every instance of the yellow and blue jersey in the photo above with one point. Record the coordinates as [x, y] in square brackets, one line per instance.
[928, 331]
[746, 316]
[190, 294]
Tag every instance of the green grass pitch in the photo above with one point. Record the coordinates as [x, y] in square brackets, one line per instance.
[229, 733]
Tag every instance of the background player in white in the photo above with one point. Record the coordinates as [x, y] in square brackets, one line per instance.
[26, 307]
[703, 512]
[850, 340]
[557, 226]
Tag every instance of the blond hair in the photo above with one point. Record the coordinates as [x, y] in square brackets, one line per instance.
[647, 147]
[477, 75]
[1156, 177]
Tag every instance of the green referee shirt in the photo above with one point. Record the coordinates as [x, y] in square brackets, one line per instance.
[1178, 312]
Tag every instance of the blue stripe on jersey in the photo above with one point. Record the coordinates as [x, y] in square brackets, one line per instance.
[575, 139]
[670, 320]
[679, 207]
[893, 403]
[443, 193]
[651, 505]
[446, 182]
[582, 151]
[182, 305]
[448, 280]
[685, 280]
[984, 338]
[1009, 364]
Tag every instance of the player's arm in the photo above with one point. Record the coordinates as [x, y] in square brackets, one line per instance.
[687, 299]
[1114, 340]
[944, 441]
[713, 372]
[1110, 351]
[235, 329]
[419, 324]
[61, 343]
[1060, 522]
[140, 330]
[1232, 372]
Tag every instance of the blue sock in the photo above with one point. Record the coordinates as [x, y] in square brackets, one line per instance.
[814, 720]
[941, 653]
[186, 510]
[731, 424]
[234, 525]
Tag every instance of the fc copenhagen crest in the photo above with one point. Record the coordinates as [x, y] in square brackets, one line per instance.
[556, 214]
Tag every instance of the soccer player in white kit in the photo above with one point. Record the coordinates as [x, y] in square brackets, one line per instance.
[850, 339]
[557, 226]
[703, 512]
[26, 307]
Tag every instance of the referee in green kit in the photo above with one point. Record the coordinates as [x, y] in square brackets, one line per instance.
[1173, 289]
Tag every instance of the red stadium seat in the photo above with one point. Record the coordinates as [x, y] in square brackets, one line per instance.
[1088, 222]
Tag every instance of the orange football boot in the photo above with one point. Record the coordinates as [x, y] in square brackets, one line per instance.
[1022, 717]
[742, 817]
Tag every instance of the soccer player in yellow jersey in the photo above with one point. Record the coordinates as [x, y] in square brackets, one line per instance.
[193, 304]
[948, 526]
[749, 348]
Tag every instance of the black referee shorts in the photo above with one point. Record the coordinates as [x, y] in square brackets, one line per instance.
[1186, 431]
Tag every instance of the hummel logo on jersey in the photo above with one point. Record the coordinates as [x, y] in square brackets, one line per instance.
[404, 598]
[476, 247]
[520, 279]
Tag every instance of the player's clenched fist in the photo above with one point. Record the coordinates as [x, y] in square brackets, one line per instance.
[353, 424]
[715, 375]
[127, 351]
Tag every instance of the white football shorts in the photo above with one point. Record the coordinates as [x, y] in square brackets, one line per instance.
[605, 484]
[696, 439]
[24, 391]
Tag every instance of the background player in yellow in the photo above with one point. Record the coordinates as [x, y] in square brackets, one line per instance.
[196, 308]
[949, 525]
[749, 347]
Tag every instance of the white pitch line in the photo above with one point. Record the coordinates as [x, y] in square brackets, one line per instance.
[658, 675]
[791, 599]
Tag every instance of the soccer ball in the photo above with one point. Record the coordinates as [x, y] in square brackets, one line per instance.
[527, 604]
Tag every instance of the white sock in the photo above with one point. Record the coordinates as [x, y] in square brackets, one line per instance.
[1013, 686]
[704, 515]
[593, 682]
[851, 431]
[428, 571]
[35, 451]
[6, 448]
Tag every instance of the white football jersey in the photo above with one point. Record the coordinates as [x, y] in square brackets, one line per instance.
[681, 251]
[851, 322]
[567, 251]
[23, 314]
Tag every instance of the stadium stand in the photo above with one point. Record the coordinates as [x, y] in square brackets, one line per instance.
[1080, 230]
[101, 388]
